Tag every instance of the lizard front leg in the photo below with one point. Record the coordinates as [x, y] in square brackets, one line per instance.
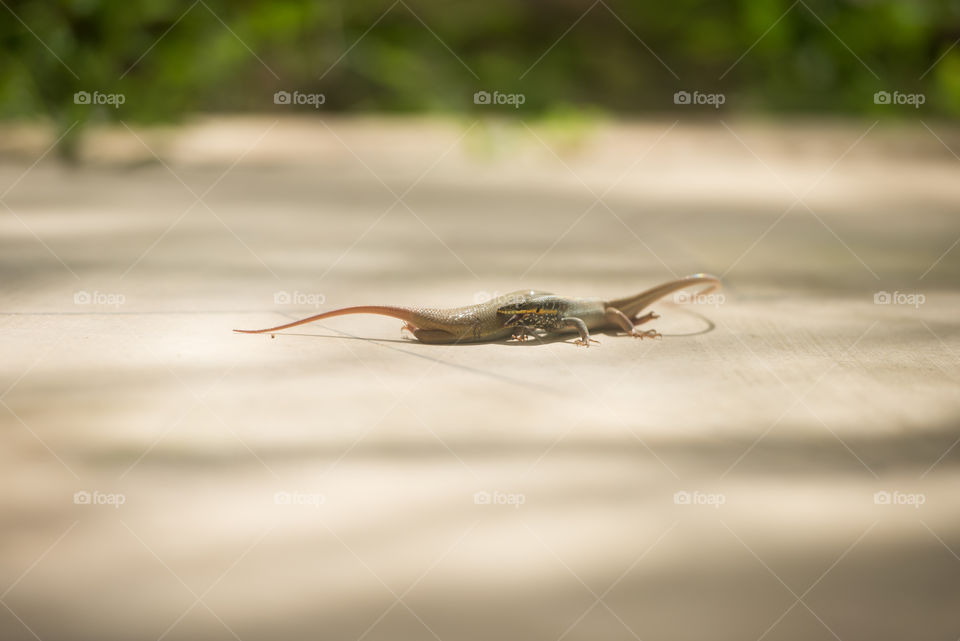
[581, 327]
[519, 329]
[615, 316]
[520, 333]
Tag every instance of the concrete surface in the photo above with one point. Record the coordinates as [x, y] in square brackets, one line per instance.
[322, 484]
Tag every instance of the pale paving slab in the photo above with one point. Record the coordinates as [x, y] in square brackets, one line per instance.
[795, 400]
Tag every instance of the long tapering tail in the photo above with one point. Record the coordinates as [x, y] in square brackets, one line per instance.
[395, 312]
[633, 305]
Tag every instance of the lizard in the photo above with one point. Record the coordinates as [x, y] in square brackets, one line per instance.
[521, 312]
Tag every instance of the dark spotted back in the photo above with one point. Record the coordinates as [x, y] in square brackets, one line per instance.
[542, 312]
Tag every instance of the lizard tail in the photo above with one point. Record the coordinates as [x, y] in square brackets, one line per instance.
[402, 313]
[633, 305]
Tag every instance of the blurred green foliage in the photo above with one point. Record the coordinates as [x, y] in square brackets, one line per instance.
[174, 57]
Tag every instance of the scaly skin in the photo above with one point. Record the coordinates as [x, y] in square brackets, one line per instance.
[470, 323]
[519, 313]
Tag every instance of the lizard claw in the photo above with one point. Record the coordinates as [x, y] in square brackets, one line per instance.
[585, 342]
[520, 335]
[650, 333]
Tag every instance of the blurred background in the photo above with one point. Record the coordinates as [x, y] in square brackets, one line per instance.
[566, 58]
[782, 464]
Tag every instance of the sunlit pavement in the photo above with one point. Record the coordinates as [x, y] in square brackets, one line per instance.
[781, 465]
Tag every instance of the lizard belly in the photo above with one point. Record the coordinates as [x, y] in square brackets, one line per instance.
[464, 324]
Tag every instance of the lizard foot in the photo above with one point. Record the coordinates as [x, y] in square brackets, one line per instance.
[410, 328]
[650, 333]
[520, 336]
[585, 342]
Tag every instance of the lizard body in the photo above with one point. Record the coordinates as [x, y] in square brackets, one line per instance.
[519, 313]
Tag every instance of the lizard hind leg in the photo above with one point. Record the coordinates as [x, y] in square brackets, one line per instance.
[431, 336]
[615, 316]
[646, 318]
